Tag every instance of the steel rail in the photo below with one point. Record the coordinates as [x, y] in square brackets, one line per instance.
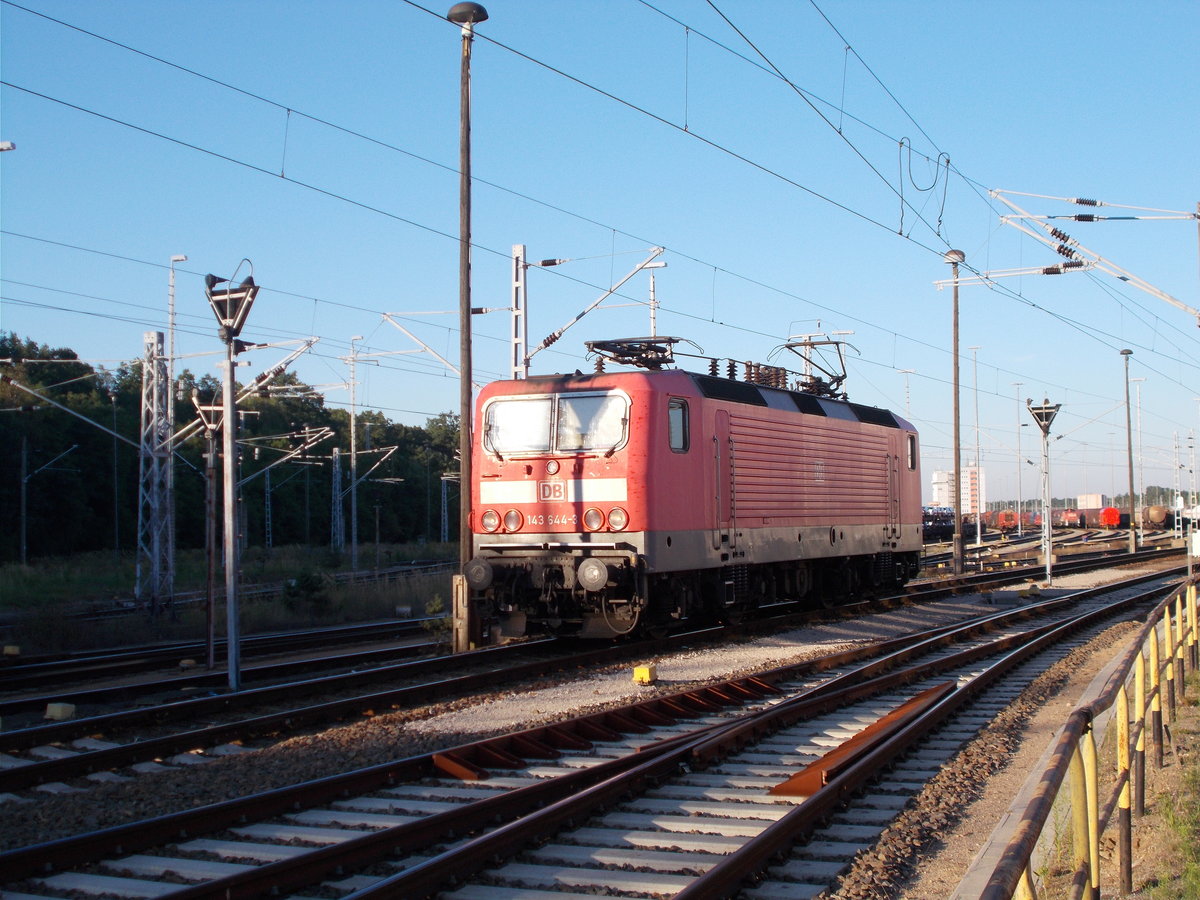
[84, 763]
[87, 847]
[728, 876]
[35, 703]
[214, 704]
[437, 873]
[87, 762]
[261, 673]
[68, 852]
[81, 849]
[131, 660]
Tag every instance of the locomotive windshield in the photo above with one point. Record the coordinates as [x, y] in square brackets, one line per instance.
[590, 423]
[561, 423]
[518, 426]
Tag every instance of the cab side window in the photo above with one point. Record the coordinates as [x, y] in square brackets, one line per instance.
[912, 453]
[677, 425]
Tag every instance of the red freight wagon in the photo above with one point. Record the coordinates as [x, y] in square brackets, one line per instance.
[1006, 520]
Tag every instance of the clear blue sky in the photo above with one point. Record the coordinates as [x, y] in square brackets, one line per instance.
[602, 129]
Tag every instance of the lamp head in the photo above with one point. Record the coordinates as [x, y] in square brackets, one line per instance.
[954, 256]
[467, 14]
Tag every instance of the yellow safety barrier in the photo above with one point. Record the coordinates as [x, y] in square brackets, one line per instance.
[1153, 669]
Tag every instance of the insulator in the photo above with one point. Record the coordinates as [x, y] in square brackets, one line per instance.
[1064, 250]
[731, 370]
[599, 365]
[712, 367]
[1059, 234]
[1083, 201]
[749, 371]
[1084, 217]
[1073, 264]
[1052, 270]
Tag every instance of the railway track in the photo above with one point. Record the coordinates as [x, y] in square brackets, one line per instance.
[676, 795]
[39, 673]
[43, 671]
[122, 743]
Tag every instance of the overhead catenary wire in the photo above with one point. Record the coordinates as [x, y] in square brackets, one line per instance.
[359, 134]
[733, 274]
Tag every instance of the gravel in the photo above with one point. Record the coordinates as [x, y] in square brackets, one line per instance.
[901, 859]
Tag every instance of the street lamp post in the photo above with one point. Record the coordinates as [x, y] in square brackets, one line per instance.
[1129, 456]
[1017, 385]
[112, 395]
[467, 15]
[354, 455]
[954, 257]
[1141, 473]
[977, 493]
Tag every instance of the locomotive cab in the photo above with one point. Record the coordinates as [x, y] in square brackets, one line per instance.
[557, 531]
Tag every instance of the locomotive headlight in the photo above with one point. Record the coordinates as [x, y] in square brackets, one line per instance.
[593, 519]
[552, 467]
[513, 520]
[490, 520]
[617, 519]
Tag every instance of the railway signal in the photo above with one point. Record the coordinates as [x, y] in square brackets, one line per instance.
[231, 306]
[1044, 416]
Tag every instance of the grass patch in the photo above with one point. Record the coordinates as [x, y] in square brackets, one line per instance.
[46, 605]
[1178, 872]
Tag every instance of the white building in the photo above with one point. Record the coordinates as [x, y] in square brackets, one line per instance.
[973, 492]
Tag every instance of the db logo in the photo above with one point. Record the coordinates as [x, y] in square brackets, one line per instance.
[552, 490]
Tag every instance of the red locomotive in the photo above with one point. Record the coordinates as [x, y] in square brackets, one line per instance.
[1006, 521]
[1110, 517]
[615, 501]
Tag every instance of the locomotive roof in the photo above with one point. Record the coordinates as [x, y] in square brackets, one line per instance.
[734, 391]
